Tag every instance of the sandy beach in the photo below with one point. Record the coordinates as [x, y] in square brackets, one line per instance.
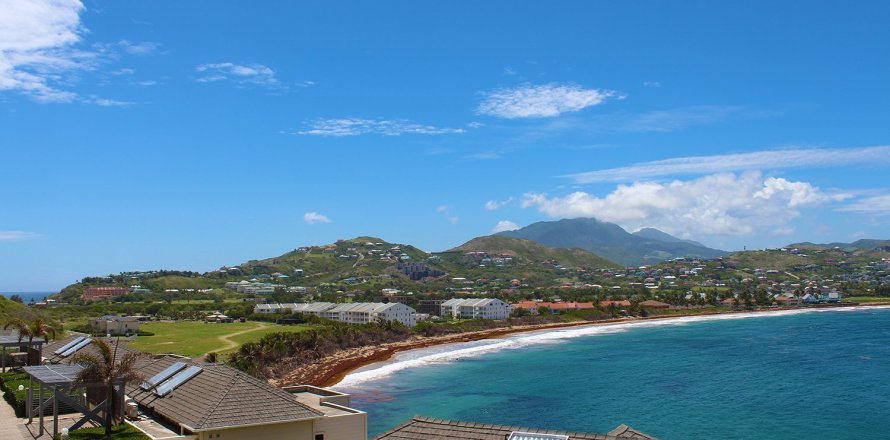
[331, 369]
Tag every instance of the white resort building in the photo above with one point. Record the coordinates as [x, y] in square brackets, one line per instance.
[475, 308]
[350, 313]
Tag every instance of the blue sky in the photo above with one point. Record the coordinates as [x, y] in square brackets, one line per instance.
[192, 135]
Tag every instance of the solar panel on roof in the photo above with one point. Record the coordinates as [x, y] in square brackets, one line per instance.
[69, 345]
[73, 349]
[162, 376]
[175, 381]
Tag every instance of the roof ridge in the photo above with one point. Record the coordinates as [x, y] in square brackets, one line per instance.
[403, 425]
[212, 408]
[260, 384]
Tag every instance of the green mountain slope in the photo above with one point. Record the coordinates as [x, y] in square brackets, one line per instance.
[530, 251]
[862, 244]
[610, 241]
[655, 234]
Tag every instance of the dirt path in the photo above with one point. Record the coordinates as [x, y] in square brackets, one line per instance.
[230, 344]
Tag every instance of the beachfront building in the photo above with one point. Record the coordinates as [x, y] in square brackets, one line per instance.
[475, 308]
[426, 428]
[364, 313]
[553, 307]
[350, 313]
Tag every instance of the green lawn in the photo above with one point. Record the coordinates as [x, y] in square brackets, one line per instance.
[194, 338]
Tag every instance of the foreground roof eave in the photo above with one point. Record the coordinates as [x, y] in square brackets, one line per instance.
[247, 425]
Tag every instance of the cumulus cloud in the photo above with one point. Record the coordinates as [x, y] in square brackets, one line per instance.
[755, 160]
[314, 217]
[540, 101]
[384, 127]
[18, 235]
[505, 225]
[716, 204]
[41, 53]
[36, 47]
[256, 74]
[445, 210]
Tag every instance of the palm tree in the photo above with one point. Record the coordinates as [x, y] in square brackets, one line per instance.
[104, 369]
[20, 326]
[40, 328]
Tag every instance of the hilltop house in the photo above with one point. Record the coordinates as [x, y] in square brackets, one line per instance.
[97, 293]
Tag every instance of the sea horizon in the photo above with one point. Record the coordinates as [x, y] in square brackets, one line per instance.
[28, 296]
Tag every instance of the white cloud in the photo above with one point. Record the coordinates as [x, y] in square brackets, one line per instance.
[445, 210]
[18, 235]
[142, 48]
[530, 101]
[314, 217]
[105, 102]
[358, 126]
[783, 231]
[505, 225]
[257, 74]
[40, 54]
[36, 39]
[755, 160]
[711, 205]
[493, 205]
[878, 205]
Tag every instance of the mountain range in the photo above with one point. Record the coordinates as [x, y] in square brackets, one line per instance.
[612, 242]
[863, 244]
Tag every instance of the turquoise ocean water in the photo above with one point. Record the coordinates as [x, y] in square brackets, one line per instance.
[821, 374]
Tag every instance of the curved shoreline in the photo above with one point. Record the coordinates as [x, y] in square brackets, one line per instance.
[332, 369]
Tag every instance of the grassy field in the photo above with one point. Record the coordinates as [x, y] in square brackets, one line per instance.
[195, 338]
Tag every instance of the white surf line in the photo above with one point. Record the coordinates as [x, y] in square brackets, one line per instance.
[449, 352]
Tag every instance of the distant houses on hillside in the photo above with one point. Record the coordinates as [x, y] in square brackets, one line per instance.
[98, 293]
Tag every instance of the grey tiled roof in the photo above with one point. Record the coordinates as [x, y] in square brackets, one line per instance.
[50, 348]
[426, 428]
[220, 397]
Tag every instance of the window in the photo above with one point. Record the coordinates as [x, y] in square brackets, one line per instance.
[319, 436]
